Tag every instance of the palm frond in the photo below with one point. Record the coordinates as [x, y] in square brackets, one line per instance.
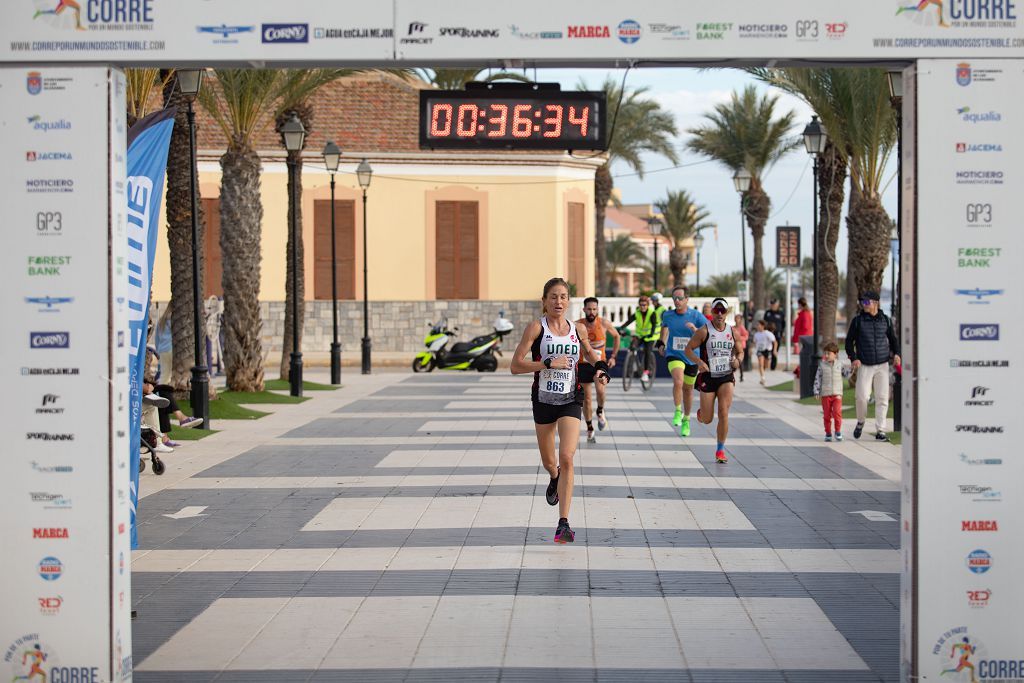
[240, 101]
[141, 84]
[682, 216]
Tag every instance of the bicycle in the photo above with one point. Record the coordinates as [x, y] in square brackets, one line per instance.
[636, 355]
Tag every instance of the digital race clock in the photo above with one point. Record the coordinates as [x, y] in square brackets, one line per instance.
[512, 116]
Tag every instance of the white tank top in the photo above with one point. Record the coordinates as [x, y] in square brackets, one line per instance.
[554, 386]
[717, 350]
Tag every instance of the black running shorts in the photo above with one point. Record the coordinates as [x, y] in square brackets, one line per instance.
[545, 414]
[706, 384]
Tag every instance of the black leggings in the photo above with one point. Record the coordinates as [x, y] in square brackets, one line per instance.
[166, 391]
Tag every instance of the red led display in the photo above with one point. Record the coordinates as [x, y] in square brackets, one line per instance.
[477, 119]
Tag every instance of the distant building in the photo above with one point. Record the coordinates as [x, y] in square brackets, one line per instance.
[631, 219]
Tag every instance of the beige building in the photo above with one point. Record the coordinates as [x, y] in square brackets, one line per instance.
[440, 226]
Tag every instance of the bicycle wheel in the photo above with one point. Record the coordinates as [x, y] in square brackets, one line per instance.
[627, 372]
[647, 381]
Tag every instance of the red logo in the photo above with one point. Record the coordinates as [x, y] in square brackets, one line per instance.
[961, 146]
[589, 32]
[30, 156]
[120, 528]
[979, 525]
[50, 606]
[50, 532]
[978, 598]
[836, 30]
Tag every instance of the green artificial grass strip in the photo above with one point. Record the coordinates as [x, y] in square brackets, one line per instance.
[282, 385]
[179, 434]
[243, 397]
[221, 409]
[785, 386]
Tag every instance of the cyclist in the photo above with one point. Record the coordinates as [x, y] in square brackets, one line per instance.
[551, 348]
[646, 323]
[597, 327]
[718, 358]
[658, 307]
[677, 327]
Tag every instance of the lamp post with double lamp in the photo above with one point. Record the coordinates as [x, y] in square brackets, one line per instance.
[364, 173]
[698, 244]
[654, 225]
[294, 134]
[741, 181]
[332, 156]
[895, 77]
[189, 83]
[815, 141]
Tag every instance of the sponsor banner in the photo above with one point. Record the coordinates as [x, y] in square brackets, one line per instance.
[65, 155]
[601, 32]
[969, 480]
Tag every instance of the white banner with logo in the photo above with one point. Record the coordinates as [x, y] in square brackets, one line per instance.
[963, 586]
[65, 580]
[433, 31]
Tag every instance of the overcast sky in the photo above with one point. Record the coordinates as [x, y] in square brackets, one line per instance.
[688, 94]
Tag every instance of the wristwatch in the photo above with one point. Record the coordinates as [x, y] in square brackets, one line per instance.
[547, 362]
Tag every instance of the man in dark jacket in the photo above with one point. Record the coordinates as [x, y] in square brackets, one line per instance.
[777, 317]
[871, 343]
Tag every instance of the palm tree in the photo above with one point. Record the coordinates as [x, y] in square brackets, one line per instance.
[623, 252]
[682, 218]
[456, 79]
[745, 133]
[637, 126]
[237, 100]
[297, 88]
[725, 284]
[854, 108]
[141, 84]
[775, 283]
[647, 277]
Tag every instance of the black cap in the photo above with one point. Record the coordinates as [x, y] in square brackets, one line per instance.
[870, 295]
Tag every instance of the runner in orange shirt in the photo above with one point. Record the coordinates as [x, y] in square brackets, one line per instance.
[597, 328]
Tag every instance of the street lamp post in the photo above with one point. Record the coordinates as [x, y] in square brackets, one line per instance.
[654, 225]
[294, 134]
[815, 140]
[896, 98]
[332, 155]
[364, 173]
[741, 181]
[189, 83]
[698, 244]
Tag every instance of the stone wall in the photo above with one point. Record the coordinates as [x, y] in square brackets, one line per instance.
[394, 325]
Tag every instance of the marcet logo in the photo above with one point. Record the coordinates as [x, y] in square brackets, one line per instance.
[416, 28]
[976, 332]
[49, 340]
[285, 33]
[975, 401]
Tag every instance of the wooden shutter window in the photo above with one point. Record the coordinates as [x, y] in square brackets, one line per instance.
[457, 259]
[212, 266]
[345, 243]
[577, 246]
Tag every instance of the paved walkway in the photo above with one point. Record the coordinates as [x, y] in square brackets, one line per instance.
[396, 530]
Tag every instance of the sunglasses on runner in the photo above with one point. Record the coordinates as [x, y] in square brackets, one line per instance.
[865, 302]
[719, 309]
[678, 298]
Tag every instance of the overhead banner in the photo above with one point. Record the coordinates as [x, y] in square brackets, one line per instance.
[148, 142]
[64, 581]
[430, 32]
[964, 558]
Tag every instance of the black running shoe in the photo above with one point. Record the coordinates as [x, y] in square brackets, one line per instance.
[551, 495]
[858, 430]
[881, 436]
[563, 534]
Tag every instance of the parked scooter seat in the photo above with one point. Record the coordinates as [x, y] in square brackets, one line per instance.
[463, 347]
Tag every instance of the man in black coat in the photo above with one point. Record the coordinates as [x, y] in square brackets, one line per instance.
[777, 317]
[871, 343]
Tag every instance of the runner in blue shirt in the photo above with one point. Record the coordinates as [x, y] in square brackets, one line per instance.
[677, 327]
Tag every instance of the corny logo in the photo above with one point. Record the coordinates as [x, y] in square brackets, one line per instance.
[285, 33]
[49, 340]
[977, 332]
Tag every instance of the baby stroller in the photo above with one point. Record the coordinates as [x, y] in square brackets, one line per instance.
[147, 446]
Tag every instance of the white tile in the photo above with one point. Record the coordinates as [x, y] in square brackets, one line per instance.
[466, 631]
[873, 561]
[231, 560]
[299, 636]
[385, 631]
[799, 635]
[550, 631]
[749, 560]
[166, 560]
[685, 559]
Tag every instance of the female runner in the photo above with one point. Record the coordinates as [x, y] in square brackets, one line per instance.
[550, 349]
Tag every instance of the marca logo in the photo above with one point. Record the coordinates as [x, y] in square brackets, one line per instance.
[979, 363]
[49, 436]
[964, 147]
[587, 31]
[979, 598]
[979, 296]
[629, 31]
[50, 568]
[50, 532]
[975, 332]
[979, 177]
[50, 606]
[979, 561]
[979, 525]
[967, 116]
[37, 123]
[967, 460]
[980, 429]
[285, 33]
[49, 340]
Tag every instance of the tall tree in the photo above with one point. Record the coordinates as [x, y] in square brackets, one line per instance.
[746, 133]
[725, 284]
[456, 79]
[297, 88]
[238, 101]
[637, 126]
[682, 218]
[623, 252]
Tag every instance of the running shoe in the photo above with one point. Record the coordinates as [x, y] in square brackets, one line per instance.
[839, 436]
[684, 427]
[858, 430]
[590, 436]
[564, 534]
[828, 437]
[551, 494]
[677, 419]
[720, 456]
[602, 421]
[881, 436]
[190, 422]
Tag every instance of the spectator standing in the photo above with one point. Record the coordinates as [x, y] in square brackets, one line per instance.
[741, 335]
[706, 310]
[803, 325]
[828, 386]
[871, 343]
[777, 317]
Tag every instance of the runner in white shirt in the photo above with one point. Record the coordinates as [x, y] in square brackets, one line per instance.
[717, 356]
[766, 346]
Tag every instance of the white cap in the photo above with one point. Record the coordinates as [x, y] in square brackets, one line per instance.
[656, 296]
